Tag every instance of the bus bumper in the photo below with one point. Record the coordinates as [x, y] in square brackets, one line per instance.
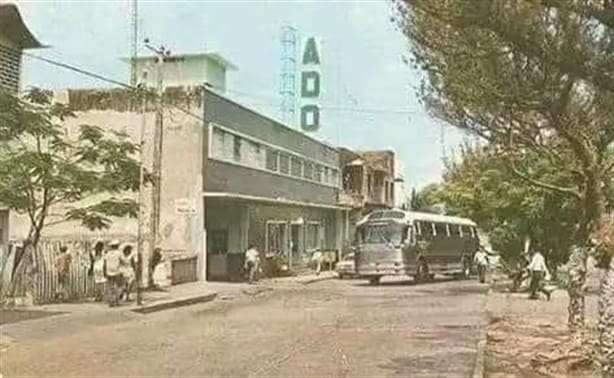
[382, 270]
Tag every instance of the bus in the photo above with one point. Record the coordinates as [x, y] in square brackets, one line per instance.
[420, 245]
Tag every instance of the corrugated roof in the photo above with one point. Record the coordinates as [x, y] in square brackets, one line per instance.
[14, 29]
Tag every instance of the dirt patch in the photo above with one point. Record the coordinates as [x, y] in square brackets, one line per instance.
[528, 347]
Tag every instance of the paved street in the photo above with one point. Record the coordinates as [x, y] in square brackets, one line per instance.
[332, 328]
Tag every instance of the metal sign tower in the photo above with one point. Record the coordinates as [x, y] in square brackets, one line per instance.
[287, 84]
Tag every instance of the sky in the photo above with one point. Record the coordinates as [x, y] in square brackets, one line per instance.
[368, 99]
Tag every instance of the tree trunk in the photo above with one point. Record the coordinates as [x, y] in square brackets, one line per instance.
[576, 288]
[606, 319]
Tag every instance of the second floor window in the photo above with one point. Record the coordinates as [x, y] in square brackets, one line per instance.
[271, 160]
[236, 148]
[297, 167]
[284, 164]
[308, 172]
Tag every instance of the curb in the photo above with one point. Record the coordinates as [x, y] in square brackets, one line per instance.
[478, 368]
[174, 303]
[318, 279]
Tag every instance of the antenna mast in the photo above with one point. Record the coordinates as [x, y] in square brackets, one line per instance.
[287, 84]
[133, 41]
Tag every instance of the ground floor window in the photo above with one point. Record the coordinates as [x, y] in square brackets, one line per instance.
[276, 237]
[313, 236]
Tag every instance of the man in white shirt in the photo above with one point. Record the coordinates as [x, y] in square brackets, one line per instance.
[113, 273]
[539, 271]
[481, 261]
[252, 263]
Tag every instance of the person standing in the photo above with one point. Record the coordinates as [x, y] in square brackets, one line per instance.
[62, 268]
[156, 258]
[317, 258]
[539, 271]
[128, 268]
[113, 273]
[252, 263]
[100, 280]
[481, 261]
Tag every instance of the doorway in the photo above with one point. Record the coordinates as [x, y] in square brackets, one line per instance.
[295, 246]
[217, 254]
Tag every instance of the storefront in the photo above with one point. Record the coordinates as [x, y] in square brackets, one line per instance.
[287, 231]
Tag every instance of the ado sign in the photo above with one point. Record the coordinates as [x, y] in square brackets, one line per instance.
[310, 87]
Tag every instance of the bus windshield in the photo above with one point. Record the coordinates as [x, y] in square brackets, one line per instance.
[382, 234]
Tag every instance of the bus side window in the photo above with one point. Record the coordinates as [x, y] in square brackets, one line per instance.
[454, 230]
[427, 230]
[441, 229]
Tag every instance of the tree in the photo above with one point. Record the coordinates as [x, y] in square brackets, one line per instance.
[529, 75]
[42, 165]
[425, 199]
[480, 186]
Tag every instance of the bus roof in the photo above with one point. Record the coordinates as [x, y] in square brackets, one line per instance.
[403, 216]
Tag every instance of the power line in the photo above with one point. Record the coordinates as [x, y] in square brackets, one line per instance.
[334, 108]
[242, 93]
[105, 79]
[77, 69]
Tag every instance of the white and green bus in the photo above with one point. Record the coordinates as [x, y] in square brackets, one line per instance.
[420, 245]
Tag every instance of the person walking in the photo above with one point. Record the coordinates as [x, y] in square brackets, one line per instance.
[539, 271]
[100, 280]
[62, 268]
[252, 263]
[481, 261]
[113, 273]
[128, 269]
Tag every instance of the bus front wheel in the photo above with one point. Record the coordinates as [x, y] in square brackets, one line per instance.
[374, 281]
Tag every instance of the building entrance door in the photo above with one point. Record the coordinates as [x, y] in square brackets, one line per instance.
[295, 246]
[217, 254]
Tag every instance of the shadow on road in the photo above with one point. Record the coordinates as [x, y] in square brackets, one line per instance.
[15, 316]
[409, 282]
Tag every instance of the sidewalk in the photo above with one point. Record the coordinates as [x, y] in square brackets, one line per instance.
[530, 338]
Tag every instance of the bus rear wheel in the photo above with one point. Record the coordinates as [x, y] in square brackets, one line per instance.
[374, 281]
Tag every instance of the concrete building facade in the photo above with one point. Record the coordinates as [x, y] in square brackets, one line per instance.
[370, 182]
[267, 185]
[14, 38]
[185, 70]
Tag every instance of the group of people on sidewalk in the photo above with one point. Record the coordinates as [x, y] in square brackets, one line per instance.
[113, 269]
[536, 269]
[252, 265]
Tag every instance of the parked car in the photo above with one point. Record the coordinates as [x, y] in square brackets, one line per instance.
[346, 268]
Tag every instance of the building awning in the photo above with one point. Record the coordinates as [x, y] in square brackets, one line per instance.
[278, 201]
[14, 29]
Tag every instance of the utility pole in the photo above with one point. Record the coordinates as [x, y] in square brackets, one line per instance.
[142, 91]
[154, 219]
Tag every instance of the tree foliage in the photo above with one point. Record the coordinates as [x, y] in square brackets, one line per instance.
[480, 185]
[43, 164]
[524, 75]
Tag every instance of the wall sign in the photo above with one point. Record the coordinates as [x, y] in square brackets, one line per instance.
[310, 86]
